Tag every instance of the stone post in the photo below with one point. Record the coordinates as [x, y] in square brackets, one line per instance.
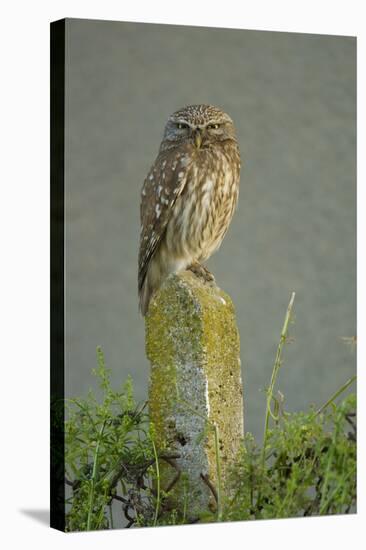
[192, 343]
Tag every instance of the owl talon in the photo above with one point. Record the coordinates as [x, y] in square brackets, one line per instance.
[202, 272]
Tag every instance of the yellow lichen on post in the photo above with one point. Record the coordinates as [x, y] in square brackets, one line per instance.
[193, 346]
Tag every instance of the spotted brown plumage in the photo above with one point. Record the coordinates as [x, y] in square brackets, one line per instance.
[189, 195]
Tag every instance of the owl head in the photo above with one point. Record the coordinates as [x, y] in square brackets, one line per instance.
[200, 125]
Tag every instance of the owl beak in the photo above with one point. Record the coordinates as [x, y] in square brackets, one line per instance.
[197, 136]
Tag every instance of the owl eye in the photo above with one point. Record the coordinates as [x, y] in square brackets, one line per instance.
[213, 126]
[182, 126]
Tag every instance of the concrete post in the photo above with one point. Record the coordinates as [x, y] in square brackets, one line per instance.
[192, 343]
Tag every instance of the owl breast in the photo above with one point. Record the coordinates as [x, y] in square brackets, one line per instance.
[202, 213]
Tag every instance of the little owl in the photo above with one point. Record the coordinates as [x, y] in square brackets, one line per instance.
[188, 197]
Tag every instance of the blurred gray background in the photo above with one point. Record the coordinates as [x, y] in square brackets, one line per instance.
[292, 98]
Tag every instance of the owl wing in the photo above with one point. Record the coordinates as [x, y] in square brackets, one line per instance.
[162, 186]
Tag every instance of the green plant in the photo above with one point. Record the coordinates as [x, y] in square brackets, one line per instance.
[108, 457]
[309, 467]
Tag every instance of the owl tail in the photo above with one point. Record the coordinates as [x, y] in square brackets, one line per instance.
[155, 275]
[145, 295]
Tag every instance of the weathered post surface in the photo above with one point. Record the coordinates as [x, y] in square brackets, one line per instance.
[193, 346]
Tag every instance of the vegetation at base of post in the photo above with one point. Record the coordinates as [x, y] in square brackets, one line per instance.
[305, 466]
[309, 469]
[108, 455]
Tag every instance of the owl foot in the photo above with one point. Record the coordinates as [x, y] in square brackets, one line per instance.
[202, 272]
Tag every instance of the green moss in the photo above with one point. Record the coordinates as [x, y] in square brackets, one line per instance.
[166, 350]
[192, 343]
